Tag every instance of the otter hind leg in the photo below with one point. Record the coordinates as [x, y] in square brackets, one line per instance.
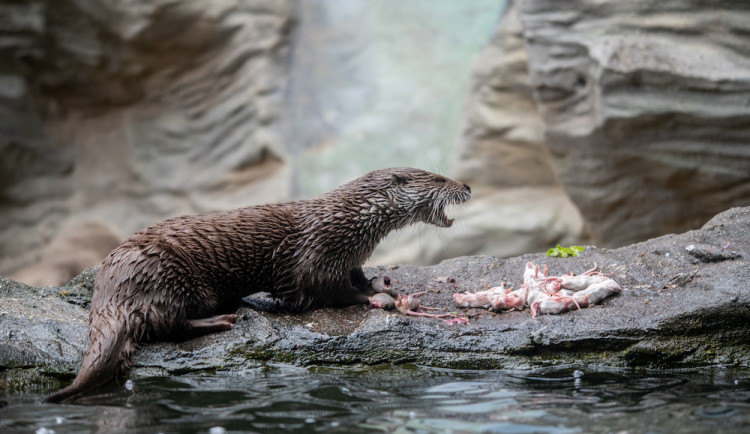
[218, 323]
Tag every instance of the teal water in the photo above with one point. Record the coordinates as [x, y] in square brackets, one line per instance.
[403, 399]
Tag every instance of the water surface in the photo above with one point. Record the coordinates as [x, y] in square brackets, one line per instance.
[403, 399]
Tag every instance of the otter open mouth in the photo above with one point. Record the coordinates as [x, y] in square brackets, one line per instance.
[440, 219]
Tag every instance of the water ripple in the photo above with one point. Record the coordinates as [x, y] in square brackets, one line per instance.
[403, 399]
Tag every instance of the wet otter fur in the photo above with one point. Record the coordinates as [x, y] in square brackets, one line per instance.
[180, 277]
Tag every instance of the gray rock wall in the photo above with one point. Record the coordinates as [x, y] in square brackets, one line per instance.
[607, 122]
[117, 114]
[646, 109]
[518, 205]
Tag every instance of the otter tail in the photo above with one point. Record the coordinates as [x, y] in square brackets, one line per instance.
[112, 339]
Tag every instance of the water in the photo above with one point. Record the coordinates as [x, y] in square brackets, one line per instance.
[403, 399]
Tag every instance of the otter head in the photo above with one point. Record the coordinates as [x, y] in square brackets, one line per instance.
[423, 196]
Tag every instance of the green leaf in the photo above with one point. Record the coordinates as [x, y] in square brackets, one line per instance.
[564, 252]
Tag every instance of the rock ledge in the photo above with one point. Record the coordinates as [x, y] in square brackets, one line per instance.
[685, 302]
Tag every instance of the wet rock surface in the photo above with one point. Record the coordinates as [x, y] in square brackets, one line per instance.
[677, 309]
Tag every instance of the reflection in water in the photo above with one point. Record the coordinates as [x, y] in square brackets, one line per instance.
[403, 399]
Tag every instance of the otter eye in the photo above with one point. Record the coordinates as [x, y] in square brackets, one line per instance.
[440, 180]
[399, 180]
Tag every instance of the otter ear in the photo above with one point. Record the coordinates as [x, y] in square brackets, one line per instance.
[398, 179]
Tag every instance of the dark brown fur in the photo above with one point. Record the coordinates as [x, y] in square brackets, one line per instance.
[166, 282]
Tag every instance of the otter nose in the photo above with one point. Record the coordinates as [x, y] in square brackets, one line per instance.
[466, 186]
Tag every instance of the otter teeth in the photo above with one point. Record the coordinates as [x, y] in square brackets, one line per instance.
[442, 220]
[446, 221]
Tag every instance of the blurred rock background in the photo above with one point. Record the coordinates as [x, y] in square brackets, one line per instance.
[597, 122]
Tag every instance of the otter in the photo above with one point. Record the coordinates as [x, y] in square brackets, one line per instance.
[183, 277]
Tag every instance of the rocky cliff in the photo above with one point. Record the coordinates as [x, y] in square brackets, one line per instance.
[119, 114]
[638, 111]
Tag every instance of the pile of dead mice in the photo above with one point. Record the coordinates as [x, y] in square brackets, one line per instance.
[543, 294]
